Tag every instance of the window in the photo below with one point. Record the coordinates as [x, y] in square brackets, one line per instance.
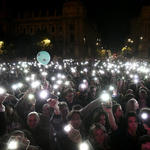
[71, 27]
[60, 28]
[24, 30]
[31, 30]
[71, 38]
[53, 29]
[60, 39]
[17, 30]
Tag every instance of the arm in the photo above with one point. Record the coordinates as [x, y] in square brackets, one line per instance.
[85, 111]
[111, 118]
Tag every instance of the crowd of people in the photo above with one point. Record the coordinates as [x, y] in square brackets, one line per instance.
[75, 105]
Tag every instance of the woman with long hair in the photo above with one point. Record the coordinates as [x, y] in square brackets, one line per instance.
[99, 138]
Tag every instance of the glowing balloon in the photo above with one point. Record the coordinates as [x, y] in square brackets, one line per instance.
[43, 57]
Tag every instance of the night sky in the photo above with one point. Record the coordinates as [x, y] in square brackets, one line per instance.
[113, 17]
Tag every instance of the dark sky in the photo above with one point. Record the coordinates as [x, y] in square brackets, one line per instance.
[112, 16]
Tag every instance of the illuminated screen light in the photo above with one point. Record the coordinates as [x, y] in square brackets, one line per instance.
[55, 86]
[35, 84]
[44, 73]
[67, 83]
[59, 82]
[14, 87]
[43, 94]
[84, 146]
[2, 91]
[111, 88]
[20, 85]
[30, 96]
[83, 86]
[27, 79]
[135, 80]
[53, 78]
[144, 116]
[12, 145]
[67, 128]
[105, 97]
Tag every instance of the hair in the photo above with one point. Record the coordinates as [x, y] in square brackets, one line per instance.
[61, 104]
[129, 91]
[46, 105]
[69, 116]
[114, 107]
[127, 115]
[91, 87]
[69, 90]
[131, 105]
[143, 140]
[92, 129]
[34, 113]
[76, 107]
[96, 118]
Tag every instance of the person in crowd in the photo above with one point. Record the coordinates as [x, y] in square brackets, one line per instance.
[118, 113]
[21, 140]
[144, 142]
[143, 99]
[13, 121]
[125, 137]
[91, 94]
[99, 138]
[69, 98]
[45, 116]
[39, 134]
[132, 105]
[26, 104]
[101, 117]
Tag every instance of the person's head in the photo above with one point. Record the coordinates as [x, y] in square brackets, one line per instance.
[33, 120]
[92, 90]
[144, 142]
[69, 95]
[98, 134]
[74, 118]
[144, 115]
[64, 110]
[129, 91]
[47, 110]
[77, 107]
[132, 105]
[131, 121]
[117, 110]
[29, 101]
[102, 118]
[143, 94]
[119, 82]
[18, 135]
[9, 108]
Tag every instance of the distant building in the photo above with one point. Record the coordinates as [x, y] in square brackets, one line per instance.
[71, 31]
[140, 33]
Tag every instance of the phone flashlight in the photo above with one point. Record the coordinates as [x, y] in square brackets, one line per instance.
[30, 96]
[83, 86]
[43, 94]
[67, 128]
[12, 145]
[2, 91]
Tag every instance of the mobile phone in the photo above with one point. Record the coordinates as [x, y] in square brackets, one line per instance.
[17, 142]
[53, 96]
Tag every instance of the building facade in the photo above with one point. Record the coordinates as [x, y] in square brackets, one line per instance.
[71, 32]
[140, 33]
